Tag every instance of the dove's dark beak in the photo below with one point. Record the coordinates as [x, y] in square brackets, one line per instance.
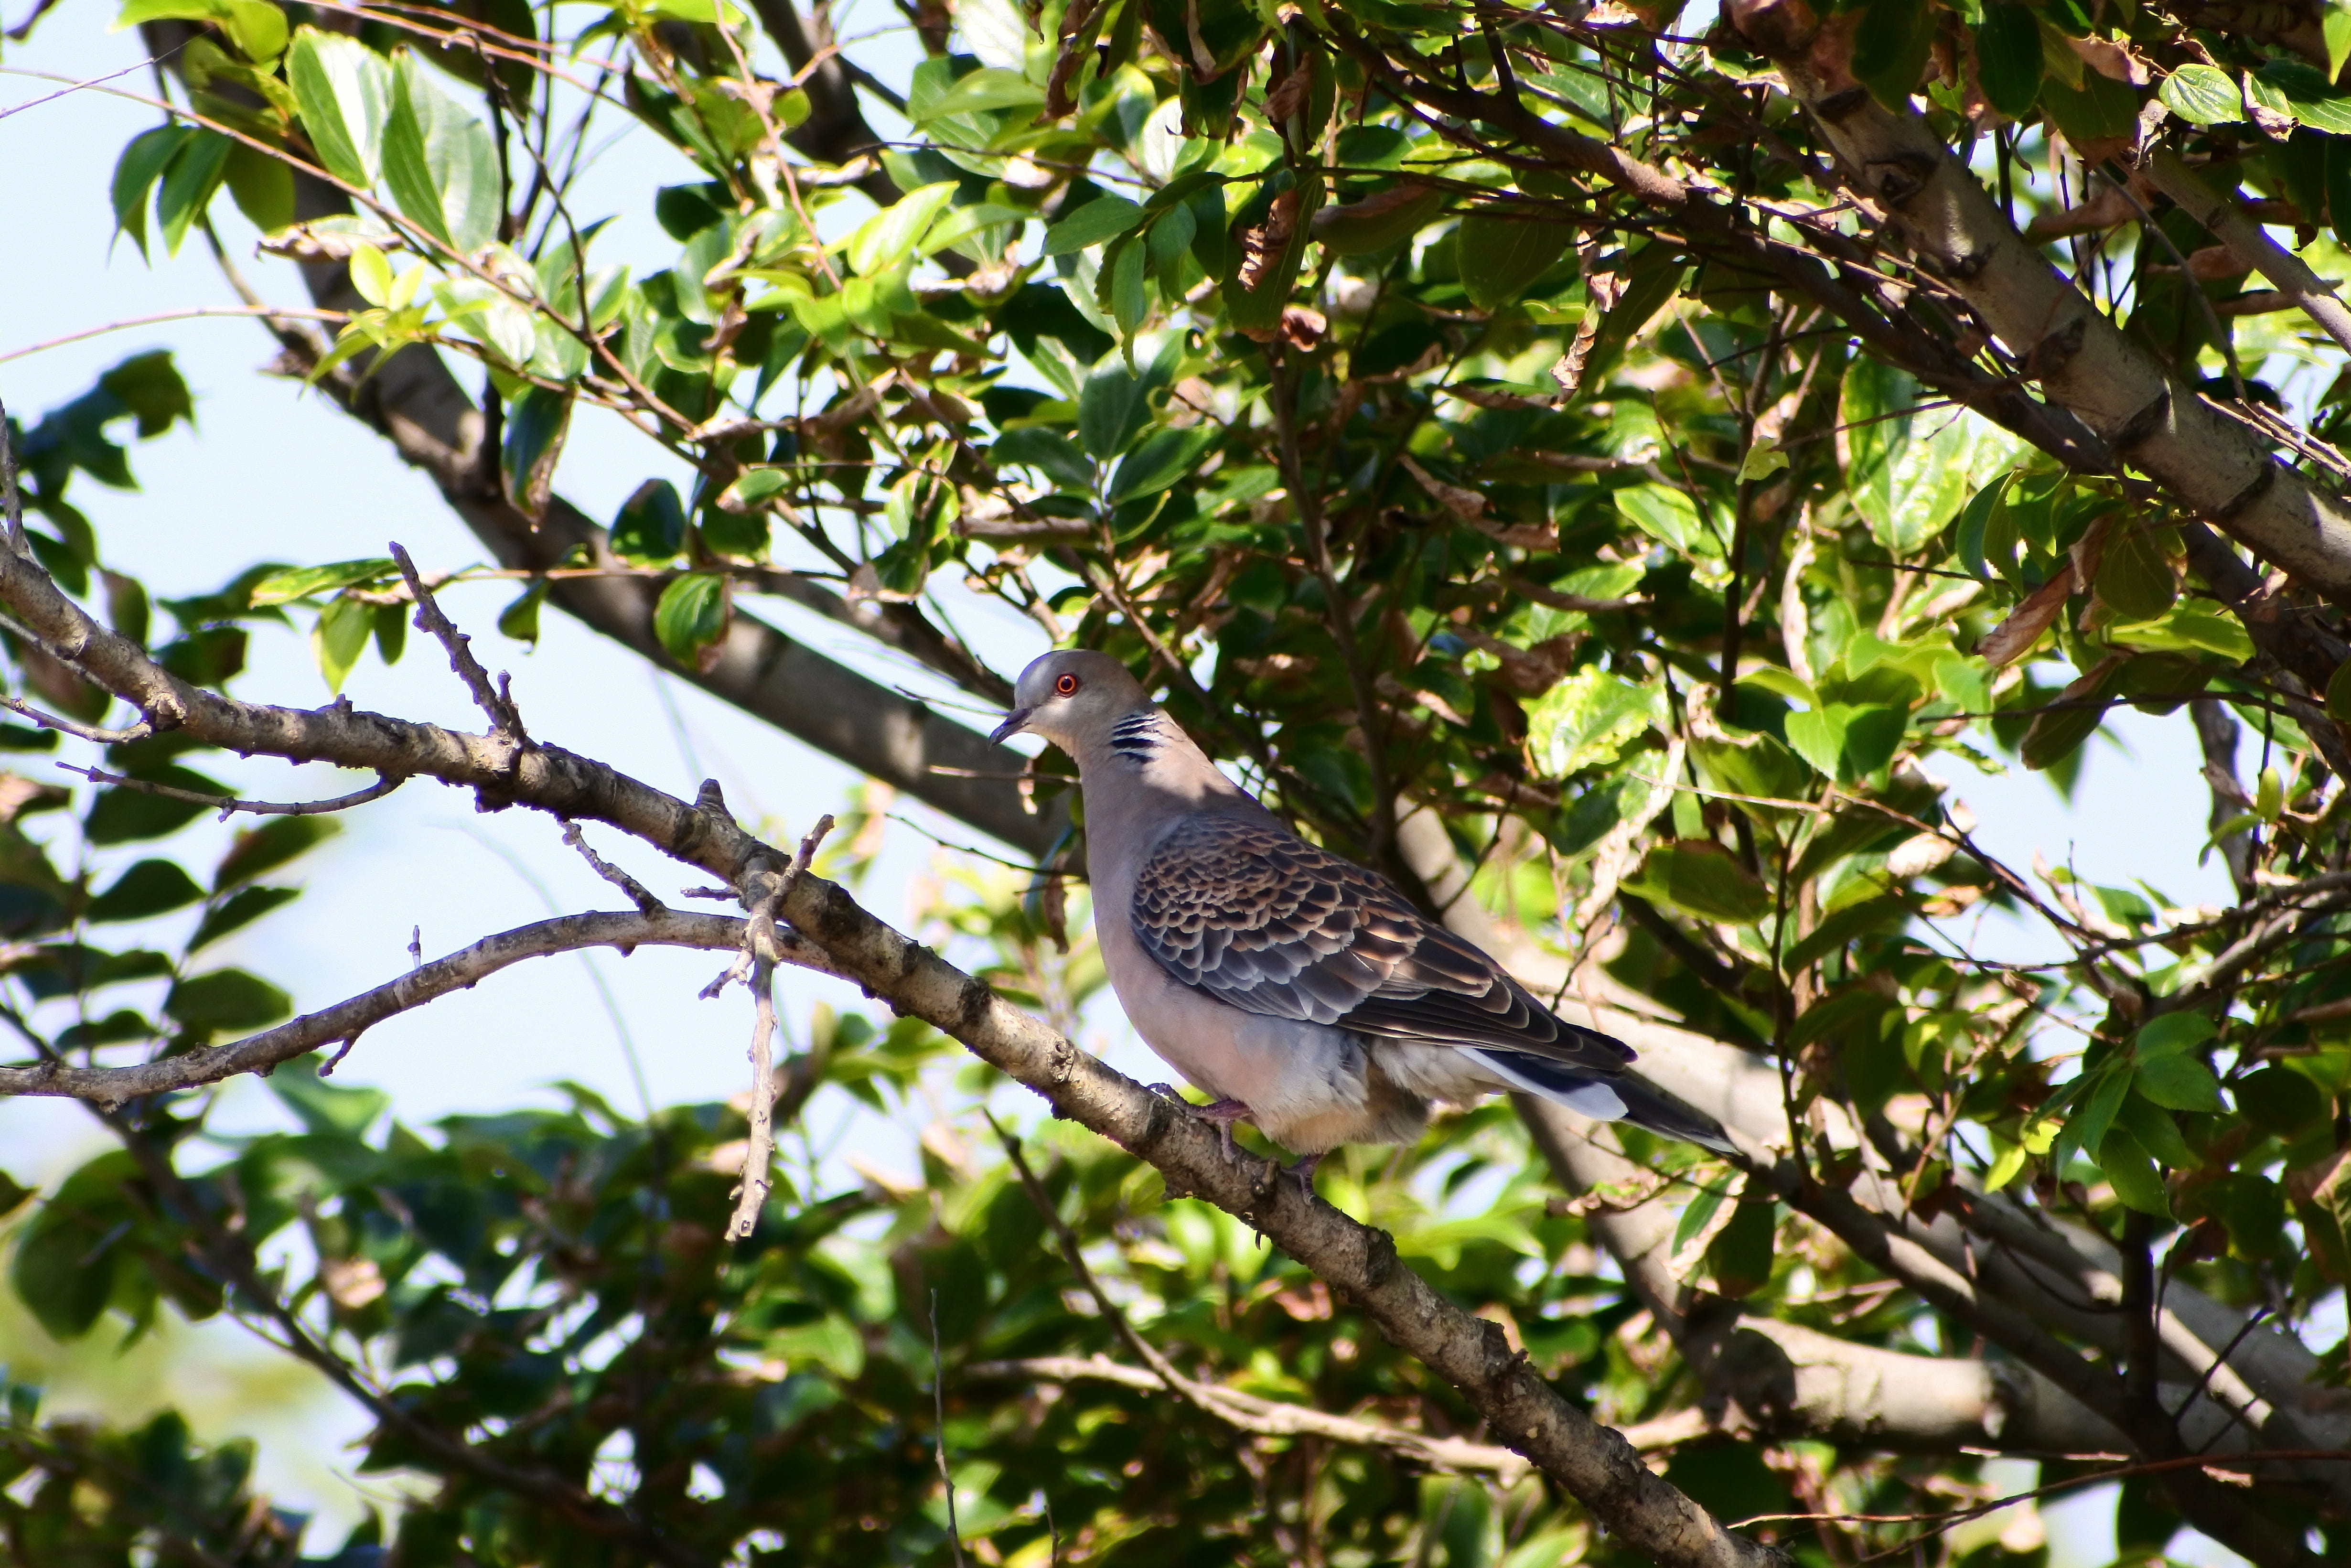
[1014, 722]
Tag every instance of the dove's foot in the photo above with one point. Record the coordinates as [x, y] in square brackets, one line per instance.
[1302, 1172]
[1222, 1114]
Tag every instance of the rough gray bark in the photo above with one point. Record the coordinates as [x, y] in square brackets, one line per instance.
[2218, 468]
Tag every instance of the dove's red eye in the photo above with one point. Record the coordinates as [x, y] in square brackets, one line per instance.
[1066, 684]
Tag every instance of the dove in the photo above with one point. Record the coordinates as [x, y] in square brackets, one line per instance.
[1303, 992]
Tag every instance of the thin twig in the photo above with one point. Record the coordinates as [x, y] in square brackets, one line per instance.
[195, 313]
[229, 805]
[760, 954]
[1454, 1453]
[505, 721]
[639, 893]
[939, 1444]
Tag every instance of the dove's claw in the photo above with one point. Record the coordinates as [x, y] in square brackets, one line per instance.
[1302, 1172]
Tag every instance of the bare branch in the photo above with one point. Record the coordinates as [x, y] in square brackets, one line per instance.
[639, 893]
[760, 945]
[346, 1020]
[506, 723]
[229, 805]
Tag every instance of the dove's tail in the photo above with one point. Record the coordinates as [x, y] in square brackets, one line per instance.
[1615, 1097]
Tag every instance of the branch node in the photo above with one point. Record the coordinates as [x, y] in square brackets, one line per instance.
[327, 1068]
[496, 701]
[639, 893]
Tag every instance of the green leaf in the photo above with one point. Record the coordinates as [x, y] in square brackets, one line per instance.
[2279, 1100]
[122, 815]
[692, 616]
[240, 909]
[262, 186]
[1385, 217]
[1586, 719]
[2134, 577]
[1161, 459]
[1052, 453]
[2106, 1089]
[650, 528]
[1891, 49]
[2100, 110]
[1114, 406]
[889, 236]
[1884, 913]
[343, 89]
[2335, 31]
[188, 185]
[2007, 58]
[1908, 469]
[13, 1195]
[340, 637]
[519, 620]
[2171, 1033]
[440, 163]
[301, 581]
[258, 851]
[704, 13]
[1502, 257]
[66, 1255]
[2155, 1131]
[988, 88]
[1122, 292]
[150, 887]
[135, 173]
[226, 999]
[2299, 89]
[537, 423]
[1102, 219]
[1702, 877]
[1698, 1213]
[2204, 94]
[2135, 1180]
[1741, 1254]
[326, 1108]
[2180, 1082]
[257, 29]
[1664, 514]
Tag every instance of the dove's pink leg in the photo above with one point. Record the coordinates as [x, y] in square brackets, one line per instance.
[1222, 1113]
[1302, 1171]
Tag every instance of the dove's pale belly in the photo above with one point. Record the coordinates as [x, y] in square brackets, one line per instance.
[1310, 1087]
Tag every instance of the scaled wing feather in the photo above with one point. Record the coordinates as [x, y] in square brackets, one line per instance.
[1272, 925]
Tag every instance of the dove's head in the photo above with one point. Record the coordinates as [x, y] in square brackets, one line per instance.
[1071, 697]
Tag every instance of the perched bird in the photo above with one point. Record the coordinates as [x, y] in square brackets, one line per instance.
[1305, 993]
